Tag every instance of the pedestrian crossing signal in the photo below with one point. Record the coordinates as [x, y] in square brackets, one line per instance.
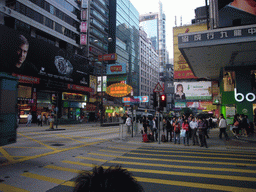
[163, 100]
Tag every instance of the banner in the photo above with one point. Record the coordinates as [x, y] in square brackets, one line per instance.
[83, 40]
[116, 69]
[83, 27]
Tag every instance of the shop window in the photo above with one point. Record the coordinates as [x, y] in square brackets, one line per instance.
[229, 81]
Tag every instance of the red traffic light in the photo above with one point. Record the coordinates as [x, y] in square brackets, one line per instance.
[163, 97]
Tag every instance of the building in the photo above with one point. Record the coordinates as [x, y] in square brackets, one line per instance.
[226, 53]
[57, 77]
[149, 68]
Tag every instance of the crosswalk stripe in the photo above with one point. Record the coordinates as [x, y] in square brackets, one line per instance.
[61, 168]
[9, 188]
[212, 176]
[189, 152]
[194, 185]
[196, 157]
[180, 161]
[172, 166]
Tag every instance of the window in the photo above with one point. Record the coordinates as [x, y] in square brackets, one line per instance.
[58, 28]
[48, 23]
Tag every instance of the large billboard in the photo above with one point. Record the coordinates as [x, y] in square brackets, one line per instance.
[236, 12]
[115, 69]
[181, 67]
[23, 55]
[200, 90]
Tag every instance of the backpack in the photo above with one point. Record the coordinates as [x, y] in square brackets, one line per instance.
[177, 128]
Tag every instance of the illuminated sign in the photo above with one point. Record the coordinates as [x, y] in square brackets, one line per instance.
[108, 57]
[116, 69]
[73, 97]
[27, 79]
[135, 99]
[119, 90]
[249, 96]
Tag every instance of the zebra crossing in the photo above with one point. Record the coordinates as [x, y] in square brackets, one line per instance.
[158, 169]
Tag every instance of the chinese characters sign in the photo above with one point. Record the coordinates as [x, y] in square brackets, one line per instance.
[181, 68]
[119, 90]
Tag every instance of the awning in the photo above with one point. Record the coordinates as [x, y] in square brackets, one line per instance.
[207, 52]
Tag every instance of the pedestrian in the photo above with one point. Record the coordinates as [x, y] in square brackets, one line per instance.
[155, 132]
[107, 180]
[145, 124]
[236, 125]
[185, 127]
[223, 127]
[128, 123]
[193, 126]
[168, 130]
[176, 129]
[207, 128]
[29, 119]
[201, 132]
[39, 119]
[44, 119]
[51, 121]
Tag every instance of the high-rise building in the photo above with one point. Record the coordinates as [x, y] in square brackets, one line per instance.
[149, 68]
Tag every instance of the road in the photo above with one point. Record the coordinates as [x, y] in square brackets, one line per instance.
[50, 160]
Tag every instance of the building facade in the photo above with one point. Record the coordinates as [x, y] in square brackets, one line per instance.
[149, 68]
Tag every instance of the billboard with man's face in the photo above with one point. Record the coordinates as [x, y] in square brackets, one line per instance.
[24, 55]
[236, 12]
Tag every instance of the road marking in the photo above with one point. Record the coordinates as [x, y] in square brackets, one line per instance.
[172, 166]
[182, 183]
[47, 146]
[9, 188]
[180, 161]
[6, 155]
[43, 178]
[61, 168]
[196, 157]
[194, 185]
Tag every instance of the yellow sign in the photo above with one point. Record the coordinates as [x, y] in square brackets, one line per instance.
[119, 90]
[181, 68]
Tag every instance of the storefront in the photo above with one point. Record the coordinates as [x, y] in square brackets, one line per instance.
[114, 113]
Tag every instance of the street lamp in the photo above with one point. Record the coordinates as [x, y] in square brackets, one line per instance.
[101, 87]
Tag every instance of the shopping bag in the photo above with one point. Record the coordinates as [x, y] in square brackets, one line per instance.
[182, 133]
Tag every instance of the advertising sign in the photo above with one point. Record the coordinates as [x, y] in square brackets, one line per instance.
[84, 14]
[114, 69]
[83, 27]
[135, 99]
[181, 67]
[180, 104]
[93, 83]
[200, 105]
[108, 57]
[236, 13]
[84, 4]
[200, 90]
[99, 84]
[119, 90]
[40, 59]
[83, 40]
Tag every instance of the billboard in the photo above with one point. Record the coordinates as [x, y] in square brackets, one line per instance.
[181, 67]
[200, 90]
[236, 13]
[23, 55]
[114, 69]
[83, 27]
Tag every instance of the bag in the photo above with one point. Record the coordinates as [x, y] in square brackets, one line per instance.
[183, 133]
[177, 128]
[236, 123]
[145, 137]
[163, 139]
[150, 137]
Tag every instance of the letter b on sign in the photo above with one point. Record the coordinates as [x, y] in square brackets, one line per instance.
[249, 96]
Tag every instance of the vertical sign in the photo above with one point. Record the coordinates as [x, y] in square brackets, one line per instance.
[104, 84]
[83, 40]
[84, 14]
[84, 4]
[83, 27]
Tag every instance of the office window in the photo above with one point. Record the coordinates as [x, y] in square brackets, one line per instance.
[48, 23]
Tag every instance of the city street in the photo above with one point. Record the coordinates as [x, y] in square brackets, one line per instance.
[43, 160]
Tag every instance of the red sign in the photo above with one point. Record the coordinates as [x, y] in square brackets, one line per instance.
[27, 79]
[79, 88]
[83, 39]
[108, 57]
[116, 68]
[184, 75]
[83, 27]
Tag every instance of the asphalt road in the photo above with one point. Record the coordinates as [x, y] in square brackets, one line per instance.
[50, 160]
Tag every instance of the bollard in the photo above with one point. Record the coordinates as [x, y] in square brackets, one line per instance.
[51, 125]
[121, 131]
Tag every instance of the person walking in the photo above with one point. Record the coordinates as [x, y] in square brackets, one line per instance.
[223, 127]
[193, 126]
[128, 123]
[39, 119]
[168, 130]
[155, 132]
[201, 131]
[185, 127]
[29, 119]
[176, 128]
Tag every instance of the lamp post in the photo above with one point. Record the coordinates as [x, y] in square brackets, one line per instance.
[101, 82]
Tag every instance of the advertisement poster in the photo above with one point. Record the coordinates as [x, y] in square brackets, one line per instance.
[93, 83]
[40, 59]
[83, 27]
[180, 105]
[200, 90]
[84, 14]
[83, 40]
[104, 84]
[115, 69]
[181, 67]
[236, 13]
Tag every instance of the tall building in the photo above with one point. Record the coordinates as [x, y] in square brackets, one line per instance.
[124, 20]
[149, 68]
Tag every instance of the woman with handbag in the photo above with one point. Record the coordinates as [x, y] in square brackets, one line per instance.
[176, 128]
[185, 129]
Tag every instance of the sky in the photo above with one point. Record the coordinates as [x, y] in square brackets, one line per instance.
[179, 8]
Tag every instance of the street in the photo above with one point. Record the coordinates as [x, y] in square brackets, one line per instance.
[50, 160]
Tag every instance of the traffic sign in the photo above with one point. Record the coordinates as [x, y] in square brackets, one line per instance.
[158, 88]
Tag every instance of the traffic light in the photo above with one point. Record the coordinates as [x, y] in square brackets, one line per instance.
[163, 100]
[54, 100]
[155, 104]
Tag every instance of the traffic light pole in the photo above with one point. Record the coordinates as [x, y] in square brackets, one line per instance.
[158, 118]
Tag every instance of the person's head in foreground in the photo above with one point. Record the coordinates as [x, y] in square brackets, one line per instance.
[112, 179]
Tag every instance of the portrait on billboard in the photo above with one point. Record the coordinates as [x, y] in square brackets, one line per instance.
[237, 12]
[179, 94]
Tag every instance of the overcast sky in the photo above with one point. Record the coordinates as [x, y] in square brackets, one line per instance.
[184, 8]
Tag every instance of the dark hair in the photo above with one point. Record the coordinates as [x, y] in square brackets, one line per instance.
[179, 85]
[107, 180]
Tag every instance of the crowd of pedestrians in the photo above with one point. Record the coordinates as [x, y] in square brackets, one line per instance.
[242, 126]
[184, 129]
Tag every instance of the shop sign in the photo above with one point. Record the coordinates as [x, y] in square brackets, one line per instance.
[239, 97]
[83, 38]
[74, 97]
[116, 69]
[90, 108]
[79, 88]
[109, 110]
[135, 99]
[83, 27]
[119, 90]
[27, 79]
[84, 14]
[108, 57]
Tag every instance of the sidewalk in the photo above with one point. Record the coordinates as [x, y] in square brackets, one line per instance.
[243, 143]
